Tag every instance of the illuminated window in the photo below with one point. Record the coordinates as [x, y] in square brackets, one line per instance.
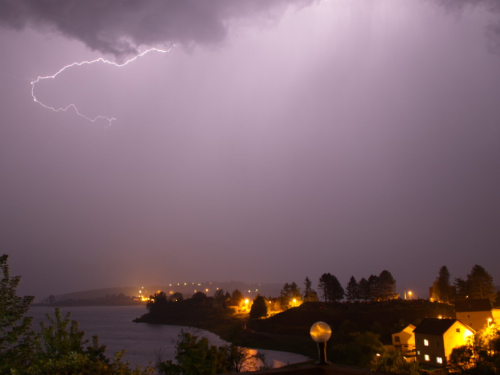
[426, 342]
[439, 360]
[427, 358]
[418, 352]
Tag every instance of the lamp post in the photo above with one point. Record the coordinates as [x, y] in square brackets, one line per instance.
[410, 293]
[321, 332]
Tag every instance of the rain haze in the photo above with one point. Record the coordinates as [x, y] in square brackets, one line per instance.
[274, 140]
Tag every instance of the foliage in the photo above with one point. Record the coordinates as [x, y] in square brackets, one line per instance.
[481, 357]
[158, 303]
[195, 356]
[442, 285]
[176, 297]
[15, 329]
[237, 296]
[479, 284]
[310, 294]
[355, 350]
[394, 362]
[352, 291]
[219, 296]
[59, 348]
[331, 289]
[288, 294]
[386, 286]
[364, 289]
[259, 308]
[462, 288]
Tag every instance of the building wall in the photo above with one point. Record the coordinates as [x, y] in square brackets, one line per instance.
[406, 341]
[457, 335]
[474, 319]
[434, 350]
[441, 346]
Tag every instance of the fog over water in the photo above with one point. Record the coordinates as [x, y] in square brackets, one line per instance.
[276, 140]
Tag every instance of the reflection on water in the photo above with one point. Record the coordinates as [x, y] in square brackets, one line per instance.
[142, 342]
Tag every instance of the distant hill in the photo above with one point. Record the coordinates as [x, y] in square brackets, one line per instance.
[249, 290]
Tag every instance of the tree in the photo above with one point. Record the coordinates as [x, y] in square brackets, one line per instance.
[352, 290]
[15, 329]
[219, 296]
[481, 284]
[176, 297]
[289, 293]
[195, 356]
[364, 289]
[386, 286]
[157, 304]
[373, 287]
[310, 294]
[331, 289]
[442, 285]
[59, 347]
[462, 288]
[259, 308]
[237, 296]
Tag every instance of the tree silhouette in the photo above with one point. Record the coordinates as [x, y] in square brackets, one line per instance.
[259, 308]
[352, 290]
[331, 289]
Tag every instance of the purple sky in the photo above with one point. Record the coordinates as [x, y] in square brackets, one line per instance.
[277, 140]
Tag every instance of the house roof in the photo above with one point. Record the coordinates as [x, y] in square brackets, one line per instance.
[468, 305]
[434, 326]
[408, 328]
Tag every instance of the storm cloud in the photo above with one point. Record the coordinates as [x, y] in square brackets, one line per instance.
[118, 27]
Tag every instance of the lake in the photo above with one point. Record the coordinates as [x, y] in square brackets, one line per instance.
[142, 342]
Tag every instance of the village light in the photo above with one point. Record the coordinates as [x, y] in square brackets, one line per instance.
[321, 333]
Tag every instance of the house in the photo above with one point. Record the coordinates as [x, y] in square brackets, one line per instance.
[436, 338]
[404, 341]
[476, 313]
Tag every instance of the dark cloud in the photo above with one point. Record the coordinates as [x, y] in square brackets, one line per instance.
[117, 26]
[493, 6]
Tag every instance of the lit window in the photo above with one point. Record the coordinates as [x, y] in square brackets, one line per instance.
[427, 358]
[439, 360]
[426, 342]
[418, 352]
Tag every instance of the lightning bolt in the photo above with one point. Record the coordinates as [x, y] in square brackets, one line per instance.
[98, 60]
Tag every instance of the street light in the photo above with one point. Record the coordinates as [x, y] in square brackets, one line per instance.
[321, 332]
[410, 293]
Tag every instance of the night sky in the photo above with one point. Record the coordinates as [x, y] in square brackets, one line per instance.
[275, 140]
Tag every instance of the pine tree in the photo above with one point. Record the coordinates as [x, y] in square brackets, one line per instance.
[364, 289]
[331, 288]
[309, 293]
[386, 286]
[259, 308]
[352, 291]
[443, 285]
[481, 284]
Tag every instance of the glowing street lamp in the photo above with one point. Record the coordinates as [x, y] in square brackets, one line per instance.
[410, 293]
[321, 333]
